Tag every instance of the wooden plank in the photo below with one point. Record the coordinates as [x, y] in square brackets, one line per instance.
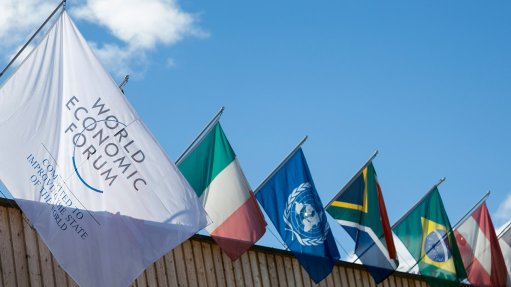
[223, 274]
[297, 272]
[180, 266]
[46, 263]
[247, 270]
[6, 255]
[272, 270]
[191, 273]
[330, 280]
[336, 276]
[60, 274]
[351, 277]
[237, 271]
[208, 264]
[161, 272]
[34, 270]
[199, 263]
[254, 268]
[389, 282]
[141, 280]
[150, 275]
[281, 271]
[392, 281]
[18, 246]
[263, 269]
[170, 267]
[358, 277]
[234, 271]
[343, 275]
[288, 267]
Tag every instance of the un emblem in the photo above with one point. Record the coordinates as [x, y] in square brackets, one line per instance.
[306, 223]
[436, 246]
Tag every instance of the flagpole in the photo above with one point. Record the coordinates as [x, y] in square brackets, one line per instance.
[124, 82]
[453, 228]
[352, 179]
[411, 209]
[504, 230]
[62, 4]
[281, 164]
[471, 210]
[211, 123]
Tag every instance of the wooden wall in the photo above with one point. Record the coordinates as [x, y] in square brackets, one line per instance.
[26, 261]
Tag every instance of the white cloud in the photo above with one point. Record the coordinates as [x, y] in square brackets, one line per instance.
[138, 26]
[504, 210]
[19, 20]
[141, 24]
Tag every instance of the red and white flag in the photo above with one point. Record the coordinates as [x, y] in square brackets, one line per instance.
[480, 250]
[505, 246]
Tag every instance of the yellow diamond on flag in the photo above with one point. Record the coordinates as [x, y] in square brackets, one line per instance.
[435, 246]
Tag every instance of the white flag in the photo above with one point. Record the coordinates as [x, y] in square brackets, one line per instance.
[85, 170]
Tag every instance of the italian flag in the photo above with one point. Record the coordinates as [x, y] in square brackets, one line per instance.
[213, 170]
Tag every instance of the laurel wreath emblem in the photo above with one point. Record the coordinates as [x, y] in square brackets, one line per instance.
[287, 213]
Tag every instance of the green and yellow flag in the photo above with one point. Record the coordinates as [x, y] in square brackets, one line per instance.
[427, 234]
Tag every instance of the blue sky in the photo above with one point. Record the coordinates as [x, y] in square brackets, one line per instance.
[424, 82]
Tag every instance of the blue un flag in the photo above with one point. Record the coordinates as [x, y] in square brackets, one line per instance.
[290, 200]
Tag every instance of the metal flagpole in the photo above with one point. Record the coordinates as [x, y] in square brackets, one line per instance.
[411, 209]
[353, 178]
[62, 4]
[453, 227]
[211, 123]
[123, 83]
[280, 164]
[508, 226]
[471, 210]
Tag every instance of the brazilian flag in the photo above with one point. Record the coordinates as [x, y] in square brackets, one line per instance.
[427, 234]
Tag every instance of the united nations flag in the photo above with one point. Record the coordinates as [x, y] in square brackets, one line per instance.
[290, 200]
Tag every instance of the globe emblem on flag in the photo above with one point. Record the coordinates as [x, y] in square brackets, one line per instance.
[302, 219]
[436, 246]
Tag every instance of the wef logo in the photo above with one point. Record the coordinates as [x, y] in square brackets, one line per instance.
[103, 151]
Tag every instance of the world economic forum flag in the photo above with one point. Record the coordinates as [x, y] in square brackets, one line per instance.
[290, 200]
[85, 170]
[360, 209]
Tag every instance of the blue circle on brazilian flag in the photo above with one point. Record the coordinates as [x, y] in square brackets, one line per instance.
[436, 246]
